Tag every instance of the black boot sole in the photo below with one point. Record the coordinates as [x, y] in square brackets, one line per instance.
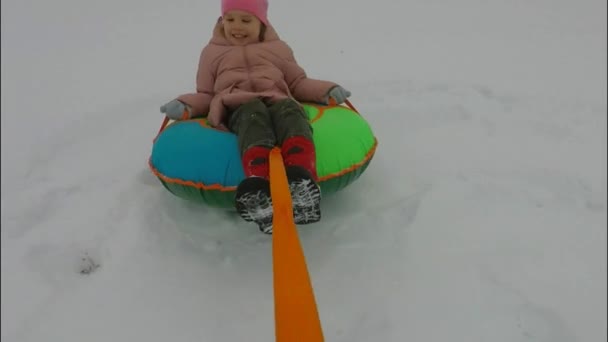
[305, 196]
[254, 204]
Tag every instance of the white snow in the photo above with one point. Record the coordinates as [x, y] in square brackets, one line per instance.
[482, 216]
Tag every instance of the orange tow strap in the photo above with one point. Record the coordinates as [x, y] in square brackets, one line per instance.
[296, 315]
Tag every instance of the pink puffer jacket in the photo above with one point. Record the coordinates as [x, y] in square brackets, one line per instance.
[229, 76]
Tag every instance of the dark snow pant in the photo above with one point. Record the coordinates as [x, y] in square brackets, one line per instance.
[266, 125]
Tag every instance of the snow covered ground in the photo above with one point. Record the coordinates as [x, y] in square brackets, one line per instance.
[481, 218]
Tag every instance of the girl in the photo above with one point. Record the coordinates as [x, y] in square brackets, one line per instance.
[248, 82]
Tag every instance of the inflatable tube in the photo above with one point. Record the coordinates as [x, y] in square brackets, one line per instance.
[202, 164]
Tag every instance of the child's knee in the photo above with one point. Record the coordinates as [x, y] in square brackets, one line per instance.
[286, 105]
[254, 110]
[253, 106]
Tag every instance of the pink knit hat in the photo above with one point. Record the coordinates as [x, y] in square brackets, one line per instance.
[259, 8]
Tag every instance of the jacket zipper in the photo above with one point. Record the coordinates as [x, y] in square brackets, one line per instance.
[248, 67]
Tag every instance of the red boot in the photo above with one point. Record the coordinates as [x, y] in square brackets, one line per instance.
[300, 165]
[300, 151]
[256, 162]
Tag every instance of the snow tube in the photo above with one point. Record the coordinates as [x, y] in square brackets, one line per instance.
[199, 163]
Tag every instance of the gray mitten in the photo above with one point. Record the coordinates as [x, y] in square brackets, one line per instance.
[174, 109]
[337, 93]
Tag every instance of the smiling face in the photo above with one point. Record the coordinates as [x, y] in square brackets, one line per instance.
[241, 28]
